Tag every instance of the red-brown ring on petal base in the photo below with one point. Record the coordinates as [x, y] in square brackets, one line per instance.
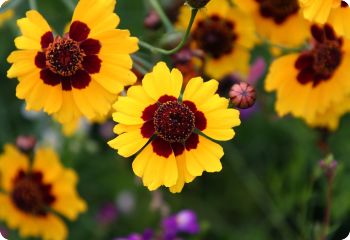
[216, 36]
[46, 39]
[40, 60]
[320, 63]
[79, 31]
[147, 129]
[90, 46]
[31, 195]
[192, 142]
[92, 64]
[178, 148]
[200, 120]
[161, 147]
[49, 77]
[278, 10]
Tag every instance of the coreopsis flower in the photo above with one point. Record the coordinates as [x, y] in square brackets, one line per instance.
[35, 191]
[320, 10]
[314, 84]
[279, 22]
[225, 34]
[77, 74]
[171, 128]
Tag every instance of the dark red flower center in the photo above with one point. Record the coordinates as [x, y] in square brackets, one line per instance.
[69, 60]
[215, 36]
[278, 10]
[174, 122]
[31, 195]
[64, 56]
[320, 63]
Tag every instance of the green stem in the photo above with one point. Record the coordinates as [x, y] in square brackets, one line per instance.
[142, 61]
[327, 211]
[140, 68]
[181, 44]
[69, 4]
[305, 212]
[167, 23]
[33, 5]
[10, 5]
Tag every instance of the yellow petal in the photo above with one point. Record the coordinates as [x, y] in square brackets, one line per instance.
[128, 143]
[162, 82]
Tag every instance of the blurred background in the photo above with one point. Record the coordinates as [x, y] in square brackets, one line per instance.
[271, 185]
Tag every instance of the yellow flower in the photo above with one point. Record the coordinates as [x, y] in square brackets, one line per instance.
[277, 22]
[315, 82]
[175, 126]
[34, 193]
[224, 34]
[79, 74]
[6, 16]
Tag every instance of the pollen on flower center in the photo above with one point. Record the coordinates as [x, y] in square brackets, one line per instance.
[174, 122]
[31, 195]
[215, 36]
[64, 56]
[278, 10]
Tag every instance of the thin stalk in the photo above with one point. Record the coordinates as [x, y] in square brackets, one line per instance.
[181, 44]
[305, 212]
[140, 68]
[327, 211]
[142, 61]
[163, 17]
[33, 5]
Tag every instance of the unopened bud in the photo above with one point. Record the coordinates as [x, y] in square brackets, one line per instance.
[329, 166]
[242, 95]
[152, 21]
[26, 143]
[197, 3]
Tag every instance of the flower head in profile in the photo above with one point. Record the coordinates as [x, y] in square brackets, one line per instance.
[171, 129]
[314, 84]
[225, 34]
[273, 19]
[35, 190]
[79, 73]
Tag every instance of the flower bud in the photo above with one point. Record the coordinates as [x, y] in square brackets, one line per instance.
[328, 166]
[197, 3]
[152, 21]
[242, 95]
[26, 143]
